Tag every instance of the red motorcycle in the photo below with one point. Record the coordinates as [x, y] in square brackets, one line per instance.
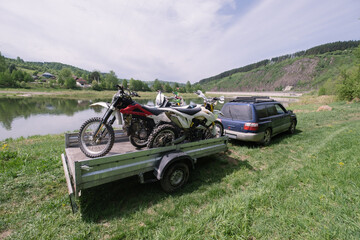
[96, 136]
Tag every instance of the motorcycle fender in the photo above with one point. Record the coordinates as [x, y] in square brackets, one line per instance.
[102, 104]
[159, 118]
[217, 112]
[119, 117]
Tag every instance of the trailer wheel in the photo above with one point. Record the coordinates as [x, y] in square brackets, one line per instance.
[175, 177]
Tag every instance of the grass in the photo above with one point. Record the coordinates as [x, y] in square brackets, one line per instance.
[302, 186]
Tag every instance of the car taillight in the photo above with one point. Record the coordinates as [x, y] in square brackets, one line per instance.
[251, 126]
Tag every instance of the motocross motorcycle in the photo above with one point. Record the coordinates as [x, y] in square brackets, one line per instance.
[96, 135]
[164, 101]
[188, 123]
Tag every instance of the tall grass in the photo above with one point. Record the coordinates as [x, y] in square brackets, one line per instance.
[302, 186]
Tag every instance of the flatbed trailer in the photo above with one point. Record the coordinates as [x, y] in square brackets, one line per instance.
[170, 165]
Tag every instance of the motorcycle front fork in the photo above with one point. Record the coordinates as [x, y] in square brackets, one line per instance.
[112, 120]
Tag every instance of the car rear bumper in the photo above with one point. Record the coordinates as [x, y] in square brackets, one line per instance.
[250, 137]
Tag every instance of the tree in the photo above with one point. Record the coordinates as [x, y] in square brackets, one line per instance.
[18, 59]
[3, 65]
[196, 87]
[111, 80]
[157, 85]
[167, 88]
[17, 75]
[125, 84]
[64, 74]
[12, 67]
[95, 75]
[146, 87]
[188, 87]
[95, 86]
[349, 87]
[70, 83]
[6, 80]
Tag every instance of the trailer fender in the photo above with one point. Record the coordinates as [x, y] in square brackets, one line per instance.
[171, 158]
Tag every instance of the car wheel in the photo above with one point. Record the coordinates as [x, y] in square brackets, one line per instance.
[267, 137]
[292, 127]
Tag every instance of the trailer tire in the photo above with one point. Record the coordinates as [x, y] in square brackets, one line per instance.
[175, 177]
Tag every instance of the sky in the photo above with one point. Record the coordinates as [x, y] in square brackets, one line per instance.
[170, 40]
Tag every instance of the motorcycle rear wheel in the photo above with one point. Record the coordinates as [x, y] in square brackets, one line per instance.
[162, 136]
[96, 146]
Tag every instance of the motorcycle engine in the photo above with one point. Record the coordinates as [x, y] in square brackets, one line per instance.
[143, 133]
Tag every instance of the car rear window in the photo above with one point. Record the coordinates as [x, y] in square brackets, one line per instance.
[240, 112]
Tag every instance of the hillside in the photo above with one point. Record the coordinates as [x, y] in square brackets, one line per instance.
[305, 70]
[41, 67]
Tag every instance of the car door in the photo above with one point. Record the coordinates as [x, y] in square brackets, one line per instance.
[275, 118]
[284, 117]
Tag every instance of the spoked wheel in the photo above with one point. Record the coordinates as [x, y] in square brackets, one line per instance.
[95, 143]
[219, 129]
[162, 136]
[137, 141]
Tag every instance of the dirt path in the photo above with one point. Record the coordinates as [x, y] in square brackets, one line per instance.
[29, 94]
[270, 94]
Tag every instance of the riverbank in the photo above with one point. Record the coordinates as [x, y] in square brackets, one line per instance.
[301, 186]
[91, 94]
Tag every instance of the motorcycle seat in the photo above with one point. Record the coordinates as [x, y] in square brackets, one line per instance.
[188, 111]
[153, 110]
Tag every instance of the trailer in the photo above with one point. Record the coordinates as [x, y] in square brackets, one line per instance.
[170, 165]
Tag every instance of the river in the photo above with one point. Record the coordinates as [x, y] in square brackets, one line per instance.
[27, 116]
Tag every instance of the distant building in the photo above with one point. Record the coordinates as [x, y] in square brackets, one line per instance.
[288, 88]
[48, 75]
[81, 82]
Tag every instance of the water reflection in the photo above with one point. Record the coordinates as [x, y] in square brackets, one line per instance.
[41, 116]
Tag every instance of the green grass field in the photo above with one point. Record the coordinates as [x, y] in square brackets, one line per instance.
[302, 186]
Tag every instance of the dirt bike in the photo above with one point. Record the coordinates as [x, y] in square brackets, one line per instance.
[188, 123]
[162, 101]
[96, 135]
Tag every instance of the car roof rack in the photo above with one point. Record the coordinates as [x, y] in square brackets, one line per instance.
[254, 99]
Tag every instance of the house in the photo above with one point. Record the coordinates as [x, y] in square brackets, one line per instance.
[81, 82]
[48, 75]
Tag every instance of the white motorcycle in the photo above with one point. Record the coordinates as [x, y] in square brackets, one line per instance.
[188, 123]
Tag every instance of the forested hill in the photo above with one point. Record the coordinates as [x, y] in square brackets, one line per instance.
[51, 67]
[309, 69]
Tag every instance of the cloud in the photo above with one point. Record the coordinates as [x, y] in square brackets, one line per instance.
[170, 40]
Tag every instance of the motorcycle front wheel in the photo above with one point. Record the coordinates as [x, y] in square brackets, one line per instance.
[219, 129]
[96, 144]
[137, 142]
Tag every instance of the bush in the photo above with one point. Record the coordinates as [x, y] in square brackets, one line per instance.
[349, 87]
[322, 91]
